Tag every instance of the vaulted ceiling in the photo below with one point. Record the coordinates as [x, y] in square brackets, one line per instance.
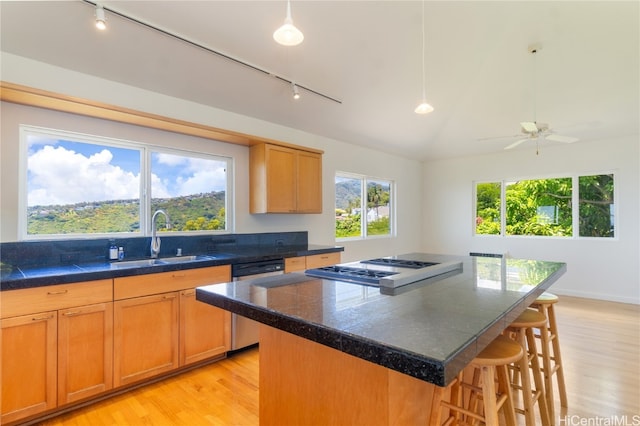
[480, 76]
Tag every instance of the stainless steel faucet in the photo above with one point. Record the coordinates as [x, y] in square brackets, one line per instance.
[155, 241]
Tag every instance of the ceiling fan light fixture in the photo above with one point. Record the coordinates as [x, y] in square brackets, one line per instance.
[288, 34]
[101, 19]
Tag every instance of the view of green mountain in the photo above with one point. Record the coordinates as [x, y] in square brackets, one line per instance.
[192, 212]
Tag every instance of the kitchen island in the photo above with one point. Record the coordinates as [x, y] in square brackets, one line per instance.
[334, 352]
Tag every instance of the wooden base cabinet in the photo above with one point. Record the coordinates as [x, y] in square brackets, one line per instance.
[56, 346]
[85, 352]
[301, 263]
[145, 337]
[160, 326]
[205, 331]
[28, 365]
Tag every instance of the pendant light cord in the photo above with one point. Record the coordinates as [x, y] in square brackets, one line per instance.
[424, 93]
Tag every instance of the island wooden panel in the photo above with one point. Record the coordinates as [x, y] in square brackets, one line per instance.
[303, 382]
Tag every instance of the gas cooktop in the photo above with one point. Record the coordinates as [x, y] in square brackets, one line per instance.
[399, 263]
[347, 273]
[384, 272]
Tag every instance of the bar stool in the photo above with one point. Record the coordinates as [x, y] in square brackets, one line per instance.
[529, 365]
[492, 362]
[550, 353]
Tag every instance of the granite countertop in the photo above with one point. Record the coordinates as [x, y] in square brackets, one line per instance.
[21, 277]
[429, 330]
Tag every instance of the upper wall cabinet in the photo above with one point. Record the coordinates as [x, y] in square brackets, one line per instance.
[284, 180]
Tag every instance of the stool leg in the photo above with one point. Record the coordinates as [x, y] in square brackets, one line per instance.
[489, 395]
[557, 358]
[545, 343]
[522, 367]
[436, 408]
[504, 387]
[537, 377]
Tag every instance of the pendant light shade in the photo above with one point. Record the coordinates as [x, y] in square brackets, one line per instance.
[424, 107]
[288, 34]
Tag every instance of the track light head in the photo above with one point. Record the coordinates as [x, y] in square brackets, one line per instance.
[296, 92]
[101, 20]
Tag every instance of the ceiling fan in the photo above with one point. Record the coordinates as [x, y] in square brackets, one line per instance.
[532, 129]
[535, 130]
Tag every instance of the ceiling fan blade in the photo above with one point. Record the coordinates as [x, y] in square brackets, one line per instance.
[529, 127]
[516, 143]
[560, 138]
[497, 137]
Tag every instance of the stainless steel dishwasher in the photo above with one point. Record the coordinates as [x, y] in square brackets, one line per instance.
[245, 332]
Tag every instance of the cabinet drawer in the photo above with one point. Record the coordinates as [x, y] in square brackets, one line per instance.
[144, 285]
[294, 264]
[54, 297]
[319, 260]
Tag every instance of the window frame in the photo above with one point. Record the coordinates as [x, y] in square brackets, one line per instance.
[145, 213]
[575, 210]
[364, 180]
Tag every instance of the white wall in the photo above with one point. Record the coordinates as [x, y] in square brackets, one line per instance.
[596, 268]
[338, 156]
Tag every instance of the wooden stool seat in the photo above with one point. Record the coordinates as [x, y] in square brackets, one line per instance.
[529, 365]
[489, 364]
[550, 351]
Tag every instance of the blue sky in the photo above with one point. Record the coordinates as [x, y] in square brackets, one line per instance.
[66, 172]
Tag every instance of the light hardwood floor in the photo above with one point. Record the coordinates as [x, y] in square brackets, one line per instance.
[600, 348]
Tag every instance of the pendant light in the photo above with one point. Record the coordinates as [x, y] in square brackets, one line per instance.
[424, 107]
[288, 34]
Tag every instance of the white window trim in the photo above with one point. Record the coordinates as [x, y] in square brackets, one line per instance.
[575, 212]
[363, 195]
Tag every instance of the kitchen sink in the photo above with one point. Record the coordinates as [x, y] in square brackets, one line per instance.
[183, 259]
[161, 261]
[136, 263]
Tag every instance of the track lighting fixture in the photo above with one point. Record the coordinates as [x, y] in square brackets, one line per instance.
[288, 34]
[424, 107]
[101, 20]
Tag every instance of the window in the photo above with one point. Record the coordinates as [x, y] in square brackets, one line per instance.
[539, 207]
[596, 212]
[363, 206]
[78, 184]
[543, 207]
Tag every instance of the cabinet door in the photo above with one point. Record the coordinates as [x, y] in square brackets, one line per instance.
[309, 182]
[145, 337]
[205, 331]
[28, 365]
[281, 179]
[295, 264]
[85, 351]
[320, 260]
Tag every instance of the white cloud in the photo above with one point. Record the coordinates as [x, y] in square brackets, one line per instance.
[61, 176]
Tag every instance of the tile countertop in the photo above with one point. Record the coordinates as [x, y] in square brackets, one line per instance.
[429, 330]
[20, 278]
